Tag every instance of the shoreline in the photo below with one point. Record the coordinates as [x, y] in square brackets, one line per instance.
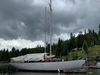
[4, 64]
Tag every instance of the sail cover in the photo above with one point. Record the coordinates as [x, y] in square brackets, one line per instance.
[29, 57]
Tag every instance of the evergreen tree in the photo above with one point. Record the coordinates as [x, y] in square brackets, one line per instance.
[90, 38]
[13, 52]
[95, 38]
[85, 47]
[80, 40]
[6, 55]
[65, 47]
[85, 35]
[59, 48]
[99, 35]
[54, 46]
[73, 41]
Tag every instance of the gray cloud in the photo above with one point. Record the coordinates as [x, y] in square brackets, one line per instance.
[25, 18]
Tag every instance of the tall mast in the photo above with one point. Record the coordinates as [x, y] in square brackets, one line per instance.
[50, 26]
[45, 30]
[99, 27]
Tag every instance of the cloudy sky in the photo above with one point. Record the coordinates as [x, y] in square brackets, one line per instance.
[22, 22]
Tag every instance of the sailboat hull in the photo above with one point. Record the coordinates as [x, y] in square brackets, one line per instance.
[49, 66]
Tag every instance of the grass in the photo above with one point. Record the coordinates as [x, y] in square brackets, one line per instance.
[94, 49]
[91, 50]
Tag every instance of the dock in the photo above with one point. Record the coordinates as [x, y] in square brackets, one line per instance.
[75, 71]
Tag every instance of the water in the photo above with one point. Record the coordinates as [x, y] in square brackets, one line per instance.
[91, 72]
[42, 74]
[11, 71]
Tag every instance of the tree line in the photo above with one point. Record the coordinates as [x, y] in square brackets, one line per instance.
[61, 48]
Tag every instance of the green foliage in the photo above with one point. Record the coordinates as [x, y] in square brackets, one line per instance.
[59, 48]
[85, 47]
[72, 41]
[65, 47]
[80, 38]
[75, 55]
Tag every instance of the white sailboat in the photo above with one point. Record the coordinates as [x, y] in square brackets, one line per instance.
[43, 61]
[36, 62]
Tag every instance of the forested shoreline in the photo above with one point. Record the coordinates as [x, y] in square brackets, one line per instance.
[62, 48]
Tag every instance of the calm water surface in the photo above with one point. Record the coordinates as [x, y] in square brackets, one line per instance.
[91, 72]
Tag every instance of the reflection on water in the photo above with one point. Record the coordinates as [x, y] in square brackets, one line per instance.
[32, 73]
[94, 72]
[91, 72]
[7, 70]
